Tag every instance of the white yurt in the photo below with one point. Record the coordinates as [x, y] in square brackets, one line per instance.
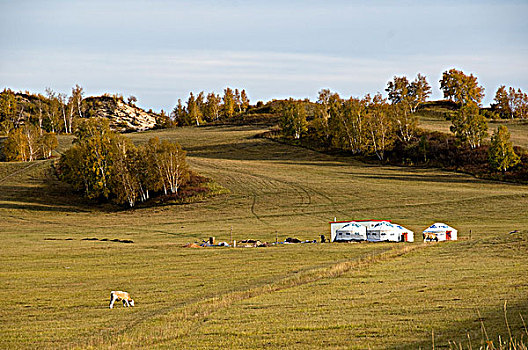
[387, 231]
[406, 235]
[351, 232]
[440, 232]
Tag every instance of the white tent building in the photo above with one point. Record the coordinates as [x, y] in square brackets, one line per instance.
[375, 231]
[352, 231]
[440, 232]
[387, 231]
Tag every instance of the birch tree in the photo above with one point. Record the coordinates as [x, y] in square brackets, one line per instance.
[125, 183]
[501, 155]
[378, 128]
[169, 159]
[212, 107]
[244, 100]
[229, 103]
[293, 119]
[469, 125]
[461, 88]
[8, 111]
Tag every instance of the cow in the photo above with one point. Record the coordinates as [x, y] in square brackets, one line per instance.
[119, 295]
[430, 236]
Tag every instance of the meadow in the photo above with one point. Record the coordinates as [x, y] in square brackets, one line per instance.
[518, 128]
[56, 284]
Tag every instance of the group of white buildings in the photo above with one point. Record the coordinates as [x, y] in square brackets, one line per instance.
[385, 230]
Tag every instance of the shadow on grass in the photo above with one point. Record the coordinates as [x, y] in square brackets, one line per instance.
[46, 195]
[263, 149]
[440, 178]
[38, 207]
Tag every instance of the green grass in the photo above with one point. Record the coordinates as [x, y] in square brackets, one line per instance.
[392, 304]
[55, 291]
[518, 130]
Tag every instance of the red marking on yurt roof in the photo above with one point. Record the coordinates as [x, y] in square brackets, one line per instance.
[342, 222]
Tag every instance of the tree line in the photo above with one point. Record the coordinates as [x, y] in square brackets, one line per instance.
[375, 126]
[21, 113]
[202, 108]
[368, 125]
[105, 165]
[53, 112]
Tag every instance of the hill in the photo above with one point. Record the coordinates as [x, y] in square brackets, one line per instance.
[436, 116]
[53, 113]
[123, 117]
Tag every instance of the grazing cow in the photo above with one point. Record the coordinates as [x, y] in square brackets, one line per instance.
[429, 237]
[119, 295]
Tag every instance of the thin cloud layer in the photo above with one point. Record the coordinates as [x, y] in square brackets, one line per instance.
[162, 50]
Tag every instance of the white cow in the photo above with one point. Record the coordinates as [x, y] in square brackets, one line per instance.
[119, 295]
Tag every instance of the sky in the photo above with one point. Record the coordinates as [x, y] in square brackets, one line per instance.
[161, 50]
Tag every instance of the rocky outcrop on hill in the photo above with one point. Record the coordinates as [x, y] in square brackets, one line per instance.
[123, 117]
[58, 113]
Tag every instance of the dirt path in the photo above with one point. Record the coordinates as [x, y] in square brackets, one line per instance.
[23, 170]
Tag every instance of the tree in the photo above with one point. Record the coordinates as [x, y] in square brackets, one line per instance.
[354, 113]
[461, 88]
[501, 155]
[379, 128]
[8, 111]
[398, 90]
[420, 90]
[169, 160]
[163, 120]
[22, 144]
[124, 182]
[520, 103]
[405, 122]
[145, 170]
[212, 107]
[322, 119]
[107, 165]
[293, 119]
[94, 141]
[48, 142]
[244, 100]
[503, 102]
[405, 98]
[238, 101]
[63, 105]
[229, 103]
[131, 100]
[469, 125]
[77, 99]
[180, 115]
[346, 122]
[53, 111]
[39, 104]
[194, 108]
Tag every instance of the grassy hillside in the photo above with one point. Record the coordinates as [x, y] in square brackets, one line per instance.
[435, 116]
[56, 286]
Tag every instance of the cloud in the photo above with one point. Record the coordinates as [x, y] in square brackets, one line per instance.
[159, 78]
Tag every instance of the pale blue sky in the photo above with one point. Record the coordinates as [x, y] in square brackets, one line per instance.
[160, 50]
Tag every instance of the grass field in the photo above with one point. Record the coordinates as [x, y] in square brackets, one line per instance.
[55, 285]
[518, 130]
